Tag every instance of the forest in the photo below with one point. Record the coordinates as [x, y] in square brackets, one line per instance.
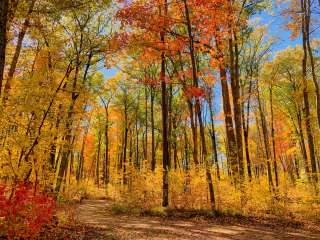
[159, 110]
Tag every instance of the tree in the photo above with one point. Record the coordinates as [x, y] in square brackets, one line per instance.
[3, 37]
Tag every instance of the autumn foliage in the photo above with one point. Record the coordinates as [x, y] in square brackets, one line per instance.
[188, 104]
[24, 210]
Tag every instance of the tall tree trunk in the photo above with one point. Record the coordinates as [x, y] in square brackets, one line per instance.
[153, 150]
[306, 94]
[146, 125]
[4, 4]
[198, 107]
[137, 160]
[106, 140]
[302, 143]
[235, 88]
[170, 124]
[98, 160]
[185, 164]
[205, 154]
[126, 129]
[231, 139]
[193, 117]
[265, 141]
[174, 142]
[66, 148]
[193, 121]
[213, 136]
[311, 58]
[69, 122]
[164, 104]
[245, 127]
[16, 55]
[273, 139]
[81, 156]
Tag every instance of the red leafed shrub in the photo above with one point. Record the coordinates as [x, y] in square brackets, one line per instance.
[24, 210]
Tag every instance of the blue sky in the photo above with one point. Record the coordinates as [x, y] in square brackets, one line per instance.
[108, 73]
[277, 30]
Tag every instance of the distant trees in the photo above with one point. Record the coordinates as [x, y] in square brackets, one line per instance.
[201, 106]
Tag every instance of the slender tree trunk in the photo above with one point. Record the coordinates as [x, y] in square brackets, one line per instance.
[174, 143]
[164, 104]
[68, 126]
[245, 124]
[193, 118]
[231, 140]
[66, 148]
[81, 156]
[106, 141]
[137, 160]
[312, 63]
[302, 143]
[235, 87]
[125, 147]
[185, 164]
[273, 139]
[146, 125]
[4, 4]
[198, 108]
[296, 166]
[53, 145]
[213, 137]
[306, 94]
[205, 154]
[170, 124]
[16, 55]
[265, 141]
[153, 150]
[98, 160]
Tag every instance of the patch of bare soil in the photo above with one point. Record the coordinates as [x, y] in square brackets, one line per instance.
[96, 214]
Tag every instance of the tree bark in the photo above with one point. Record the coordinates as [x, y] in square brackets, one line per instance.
[275, 166]
[170, 124]
[265, 141]
[235, 88]
[98, 160]
[4, 4]
[198, 108]
[213, 137]
[126, 129]
[306, 108]
[164, 104]
[81, 156]
[307, 18]
[302, 143]
[16, 55]
[231, 140]
[106, 140]
[245, 126]
[146, 125]
[153, 150]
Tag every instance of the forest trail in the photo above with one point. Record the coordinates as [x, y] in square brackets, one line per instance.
[98, 214]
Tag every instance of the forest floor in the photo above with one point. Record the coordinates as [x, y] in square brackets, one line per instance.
[103, 223]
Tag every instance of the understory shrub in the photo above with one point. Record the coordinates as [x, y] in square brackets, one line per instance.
[24, 210]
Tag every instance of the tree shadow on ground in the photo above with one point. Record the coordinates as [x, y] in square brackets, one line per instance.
[97, 213]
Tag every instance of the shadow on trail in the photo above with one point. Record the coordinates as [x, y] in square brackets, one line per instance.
[97, 213]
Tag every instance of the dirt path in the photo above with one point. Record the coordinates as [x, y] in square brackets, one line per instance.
[97, 213]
